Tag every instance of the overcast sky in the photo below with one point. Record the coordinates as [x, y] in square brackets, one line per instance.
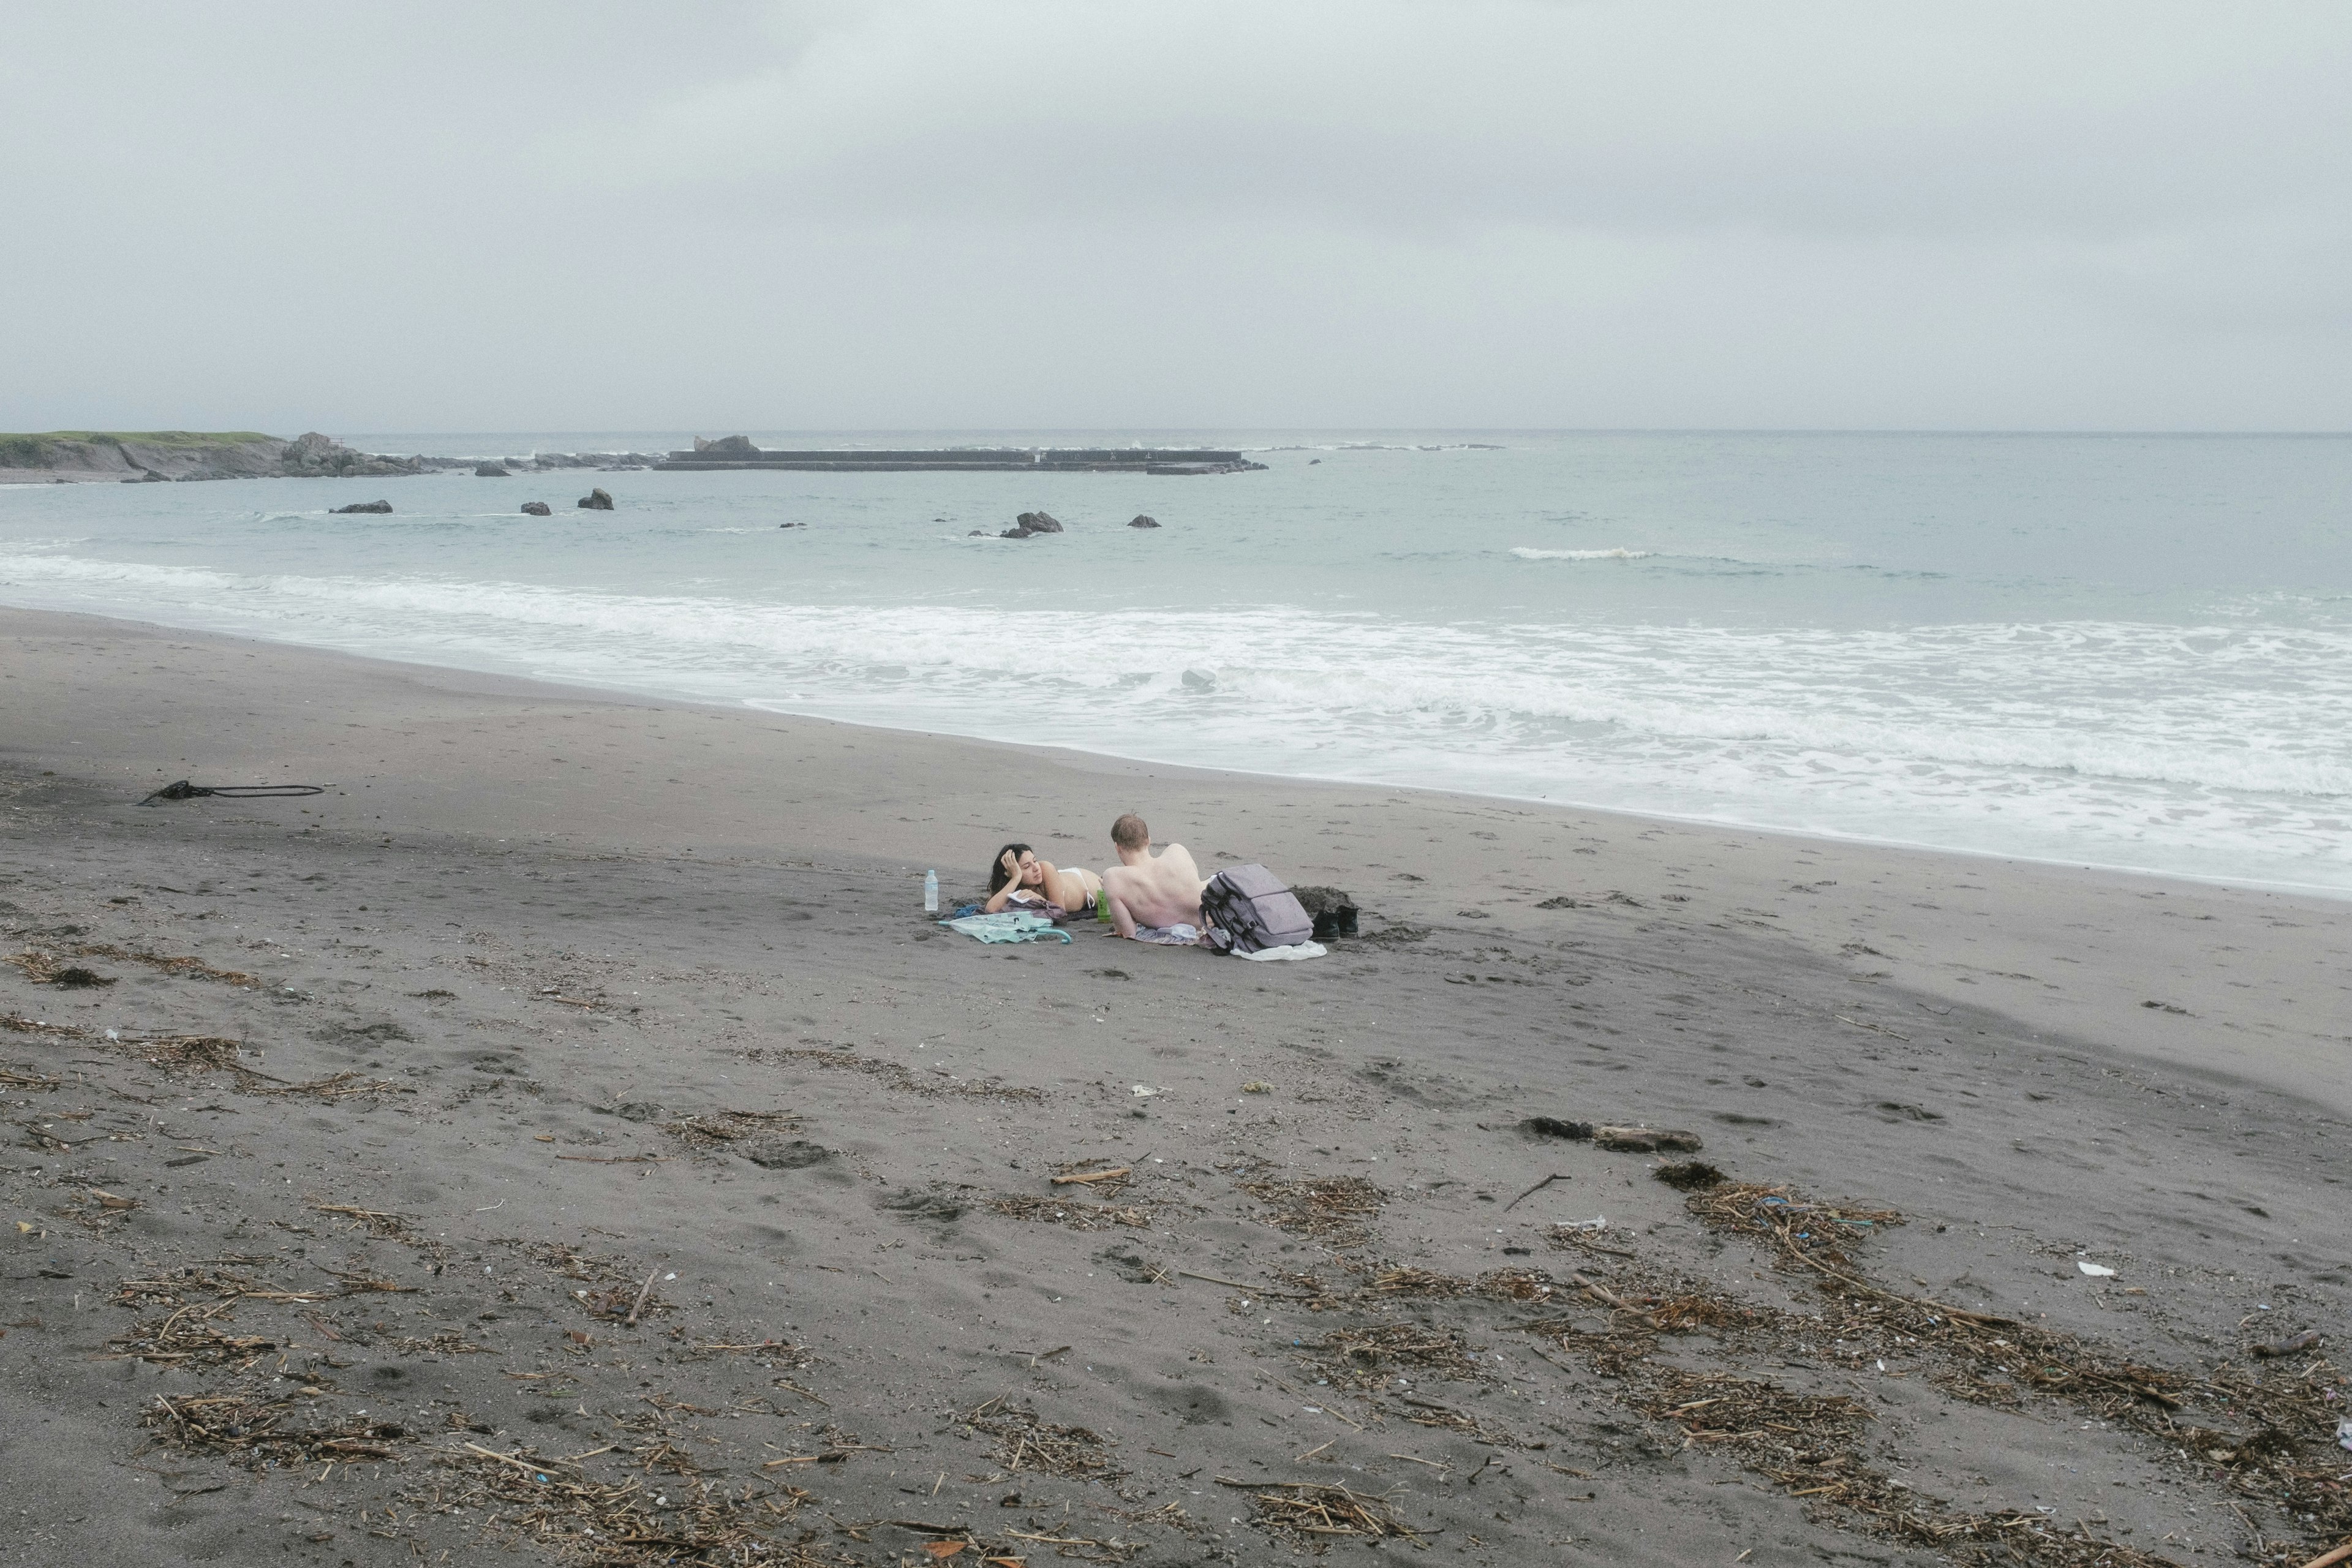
[1104, 213]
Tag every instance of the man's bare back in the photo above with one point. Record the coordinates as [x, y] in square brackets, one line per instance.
[1148, 890]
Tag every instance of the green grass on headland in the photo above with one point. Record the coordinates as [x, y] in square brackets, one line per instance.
[149, 438]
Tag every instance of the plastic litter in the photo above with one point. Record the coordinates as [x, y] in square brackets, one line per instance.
[1144, 1092]
[2095, 1270]
[2344, 1433]
[931, 892]
[1598, 1222]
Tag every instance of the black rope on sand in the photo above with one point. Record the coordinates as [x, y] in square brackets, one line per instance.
[184, 790]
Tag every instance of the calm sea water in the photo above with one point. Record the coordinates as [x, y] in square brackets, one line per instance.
[2130, 651]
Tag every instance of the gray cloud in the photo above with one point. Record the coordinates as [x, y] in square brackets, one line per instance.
[1069, 212]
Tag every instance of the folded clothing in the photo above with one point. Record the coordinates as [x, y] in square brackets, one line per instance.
[1291, 952]
[1013, 925]
[1169, 936]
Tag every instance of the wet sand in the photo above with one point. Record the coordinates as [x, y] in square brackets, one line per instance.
[563, 992]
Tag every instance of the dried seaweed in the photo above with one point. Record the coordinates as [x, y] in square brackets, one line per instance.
[251, 1428]
[1376, 1357]
[1025, 1441]
[17, 1023]
[720, 1129]
[630, 1522]
[216, 1053]
[1065, 1212]
[27, 1079]
[895, 1074]
[1329, 1209]
[1310, 1513]
[196, 967]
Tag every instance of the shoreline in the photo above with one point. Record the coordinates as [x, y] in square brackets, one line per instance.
[578, 1085]
[1825, 836]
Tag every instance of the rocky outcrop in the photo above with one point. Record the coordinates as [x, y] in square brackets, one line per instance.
[360, 506]
[728, 446]
[148, 456]
[491, 471]
[1030, 524]
[537, 509]
[596, 500]
[313, 456]
[1144, 522]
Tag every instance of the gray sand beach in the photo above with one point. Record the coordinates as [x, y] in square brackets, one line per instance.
[566, 1138]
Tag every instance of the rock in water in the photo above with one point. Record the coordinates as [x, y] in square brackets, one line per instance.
[1030, 524]
[1144, 522]
[597, 501]
[726, 446]
[491, 471]
[537, 509]
[360, 506]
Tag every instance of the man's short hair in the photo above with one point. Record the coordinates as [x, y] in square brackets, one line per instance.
[1130, 833]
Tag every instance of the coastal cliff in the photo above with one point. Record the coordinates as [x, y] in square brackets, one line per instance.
[133, 457]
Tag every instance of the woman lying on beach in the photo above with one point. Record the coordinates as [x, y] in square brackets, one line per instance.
[1020, 878]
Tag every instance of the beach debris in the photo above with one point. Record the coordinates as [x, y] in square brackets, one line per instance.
[2095, 1270]
[2293, 1345]
[1258, 1085]
[597, 499]
[2344, 1433]
[252, 1429]
[1329, 1209]
[537, 509]
[1145, 1091]
[1117, 1174]
[1065, 1212]
[1646, 1141]
[182, 790]
[1531, 1191]
[631, 1522]
[913, 1203]
[1598, 1222]
[1026, 1441]
[755, 1135]
[1312, 1513]
[935, 1085]
[1375, 1358]
[380, 507]
[1689, 1175]
[1553, 1127]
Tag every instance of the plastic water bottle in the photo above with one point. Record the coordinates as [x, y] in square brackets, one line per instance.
[931, 892]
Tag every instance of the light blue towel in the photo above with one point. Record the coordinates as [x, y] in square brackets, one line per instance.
[1009, 926]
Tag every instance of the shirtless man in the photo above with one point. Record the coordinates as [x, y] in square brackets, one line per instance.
[1148, 890]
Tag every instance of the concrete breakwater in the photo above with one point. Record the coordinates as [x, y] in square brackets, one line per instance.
[738, 452]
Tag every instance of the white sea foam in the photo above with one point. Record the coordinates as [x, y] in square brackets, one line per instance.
[2223, 750]
[1530, 552]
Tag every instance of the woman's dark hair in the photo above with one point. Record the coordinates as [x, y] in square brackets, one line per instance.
[996, 873]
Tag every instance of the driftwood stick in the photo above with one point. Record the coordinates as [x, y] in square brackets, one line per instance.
[643, 1291]
[1094, 1176]
[1555, 1176]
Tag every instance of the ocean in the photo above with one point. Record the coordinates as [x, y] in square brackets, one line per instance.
[2123, 651]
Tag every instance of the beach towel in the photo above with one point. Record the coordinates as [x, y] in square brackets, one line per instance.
[1013, 925]
[1292, 952]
